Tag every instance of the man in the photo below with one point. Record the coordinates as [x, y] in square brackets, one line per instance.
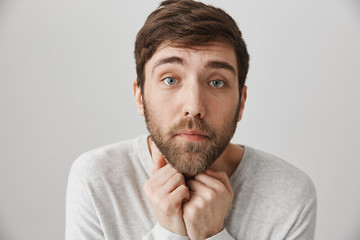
[186, 180]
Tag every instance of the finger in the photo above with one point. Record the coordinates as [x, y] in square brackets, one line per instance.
[212, 181]
[158, 164]
[209, 180]
[158, 158]
[180, 194]
[221, 176]
[174, 182]
[196, 186]
[155, 186]
[161, 176]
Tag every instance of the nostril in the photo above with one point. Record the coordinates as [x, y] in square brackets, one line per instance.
[197, 115]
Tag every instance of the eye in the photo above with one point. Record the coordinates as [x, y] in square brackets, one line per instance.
[217, 83]
[170, 81]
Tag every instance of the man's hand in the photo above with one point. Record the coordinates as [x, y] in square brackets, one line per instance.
[166, 192]
[211, 196]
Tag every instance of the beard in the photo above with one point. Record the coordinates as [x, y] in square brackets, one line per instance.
[191, 157]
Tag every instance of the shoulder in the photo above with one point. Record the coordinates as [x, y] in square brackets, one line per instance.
[272, 196]
[274, 177]
[112, 159]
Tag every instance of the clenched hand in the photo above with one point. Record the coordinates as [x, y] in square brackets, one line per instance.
[166, 192]
[196, 208]
[210, 198]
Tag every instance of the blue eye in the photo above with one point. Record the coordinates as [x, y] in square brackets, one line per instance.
[217, 83]
[170, 81]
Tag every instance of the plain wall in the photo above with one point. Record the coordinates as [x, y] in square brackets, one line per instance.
[66, 73]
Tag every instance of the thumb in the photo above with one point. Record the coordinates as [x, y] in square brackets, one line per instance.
[158, 158]
[158, 163]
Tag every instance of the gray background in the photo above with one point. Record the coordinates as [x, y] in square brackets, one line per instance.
[66, 72]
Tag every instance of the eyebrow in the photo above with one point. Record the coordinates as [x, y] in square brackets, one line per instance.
[166, 60]
[220, 65]
[214, 64]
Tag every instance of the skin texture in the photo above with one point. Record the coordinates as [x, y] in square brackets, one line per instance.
[166, 191]
[197, 206]
[210, 198]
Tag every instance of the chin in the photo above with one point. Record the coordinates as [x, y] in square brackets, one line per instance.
[191, 171]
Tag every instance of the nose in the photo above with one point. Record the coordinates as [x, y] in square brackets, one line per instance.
[193, 100]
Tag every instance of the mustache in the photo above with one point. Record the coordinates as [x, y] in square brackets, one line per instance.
[192, 124]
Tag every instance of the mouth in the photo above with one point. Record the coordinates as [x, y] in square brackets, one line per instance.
[192, 135]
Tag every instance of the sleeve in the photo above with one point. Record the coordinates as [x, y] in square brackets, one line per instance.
[82, 221]
[223, 235]
[304, 227]
[160, 233]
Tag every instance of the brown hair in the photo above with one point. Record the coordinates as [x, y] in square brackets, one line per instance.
[187, 23]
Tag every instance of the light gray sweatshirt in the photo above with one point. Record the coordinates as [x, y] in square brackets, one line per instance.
[105, 198]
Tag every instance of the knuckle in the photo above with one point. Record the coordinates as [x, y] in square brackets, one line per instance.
[222, 189]
[180, 194]
[200, 204]
[183, 189]
[210, 194]
[179, 177]
[218, 186]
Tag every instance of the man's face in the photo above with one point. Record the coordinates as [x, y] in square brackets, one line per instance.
[191, 103]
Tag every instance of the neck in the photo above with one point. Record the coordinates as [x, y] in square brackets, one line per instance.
[229, 159]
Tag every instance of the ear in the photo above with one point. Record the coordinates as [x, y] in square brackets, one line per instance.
[138, 98]
[243, 100]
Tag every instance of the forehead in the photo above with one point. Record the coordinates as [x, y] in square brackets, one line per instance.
[219, 51]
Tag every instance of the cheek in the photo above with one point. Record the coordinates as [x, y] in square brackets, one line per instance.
[224, 112]
[158, 112]
[167, 105]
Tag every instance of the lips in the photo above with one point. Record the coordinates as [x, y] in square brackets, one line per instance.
[194, 135]
[193, 132]
[191, 129]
